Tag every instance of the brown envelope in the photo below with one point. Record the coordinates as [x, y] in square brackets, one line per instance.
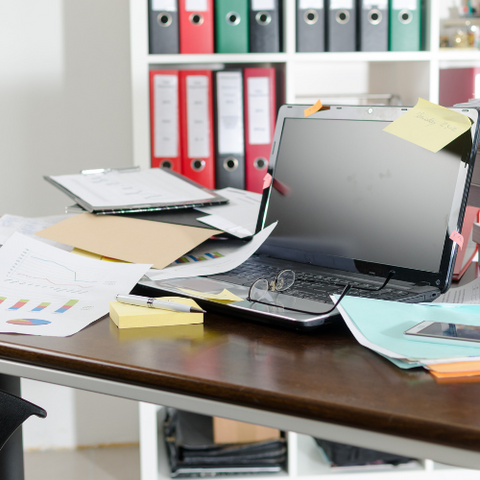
[129, 239]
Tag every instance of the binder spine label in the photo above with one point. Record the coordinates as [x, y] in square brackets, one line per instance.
[381, 4]
[263, 5]
[164, 5]
[166, 115]
[197, 116]
[404, 4]
[311, 4]
[341, 4]
[230, 113]
[259, 111]
[196, 5]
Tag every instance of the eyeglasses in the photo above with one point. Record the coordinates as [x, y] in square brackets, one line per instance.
[286, 278]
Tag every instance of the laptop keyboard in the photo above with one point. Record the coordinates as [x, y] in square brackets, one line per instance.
[308, 285]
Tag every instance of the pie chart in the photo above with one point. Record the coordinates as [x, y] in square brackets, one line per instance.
[28, 321]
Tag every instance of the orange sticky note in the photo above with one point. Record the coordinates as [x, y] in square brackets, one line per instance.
[313, 109]
[267, 181]
[457, 238]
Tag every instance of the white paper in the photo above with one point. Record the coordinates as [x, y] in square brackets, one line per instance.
[230, 112]
[307, 4]
[259, 110]
[164, 5]
[238, 217]
[166, 116]
[341, 4]
[469, 293]
[47, 291]
[198, 116]
[230, 254]
[140, 187]
[263, 5]
[196, 5]
[9, 224]
[404, 4]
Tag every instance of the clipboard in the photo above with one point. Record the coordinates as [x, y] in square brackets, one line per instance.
[131, 190]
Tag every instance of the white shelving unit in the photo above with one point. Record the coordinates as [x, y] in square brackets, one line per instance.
[305, 461]
[301, 78]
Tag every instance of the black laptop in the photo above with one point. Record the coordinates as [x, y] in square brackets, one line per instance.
[355, 206]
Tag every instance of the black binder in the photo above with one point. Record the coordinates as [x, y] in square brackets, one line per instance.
[341, 25]
[310, 26]
[264, 20]
[230, 135]
[192, 452]
[372, 25]
[163, 26]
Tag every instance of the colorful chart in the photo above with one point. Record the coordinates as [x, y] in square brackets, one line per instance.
[193, 258]
[40, 307]
[28, 321]
[2, 299]
[67, 306]
[19, 304]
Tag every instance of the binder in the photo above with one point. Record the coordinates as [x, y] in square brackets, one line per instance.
[470, 247]
[231, 26]
[196, 126]
[459, 85]
[264, 26]
[163, 26]
[196, 26]
[373, 25]
[165, 120]
[310, 26]
[341, 25]
[260, 114]
[405, 25]
[230, 138]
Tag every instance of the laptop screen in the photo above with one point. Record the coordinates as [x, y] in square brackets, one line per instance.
[356, 198]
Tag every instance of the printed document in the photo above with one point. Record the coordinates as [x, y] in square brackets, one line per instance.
[47, 291]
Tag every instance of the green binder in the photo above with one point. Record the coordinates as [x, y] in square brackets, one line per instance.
[231, 26]
[405, 25]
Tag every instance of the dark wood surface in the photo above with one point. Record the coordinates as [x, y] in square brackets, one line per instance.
[324, 376]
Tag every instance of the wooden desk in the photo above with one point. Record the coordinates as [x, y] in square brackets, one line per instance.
[321, 384]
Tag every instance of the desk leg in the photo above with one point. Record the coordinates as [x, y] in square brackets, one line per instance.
[11, 455]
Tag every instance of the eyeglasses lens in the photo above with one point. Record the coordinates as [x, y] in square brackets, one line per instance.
[285, 279]
[259, 289]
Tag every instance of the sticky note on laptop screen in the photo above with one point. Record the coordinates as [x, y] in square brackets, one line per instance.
[429, 126]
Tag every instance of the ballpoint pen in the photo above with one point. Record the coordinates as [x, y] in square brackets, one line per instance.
[156, 303]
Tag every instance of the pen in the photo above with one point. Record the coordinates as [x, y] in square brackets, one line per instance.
[156, 303]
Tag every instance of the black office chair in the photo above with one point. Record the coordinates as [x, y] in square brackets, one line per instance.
[13, 412]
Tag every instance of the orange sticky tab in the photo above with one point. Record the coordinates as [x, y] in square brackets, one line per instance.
[267, 181]
[313, 109]
[457, 238]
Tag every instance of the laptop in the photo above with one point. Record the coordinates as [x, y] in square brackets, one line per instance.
[352, 205]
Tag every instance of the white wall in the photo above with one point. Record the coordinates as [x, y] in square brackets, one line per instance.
[65, 100]
[65, 105]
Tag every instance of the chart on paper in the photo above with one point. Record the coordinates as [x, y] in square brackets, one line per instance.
[40, 272]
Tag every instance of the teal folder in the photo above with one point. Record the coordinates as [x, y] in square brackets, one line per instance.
[231, 26]
[380, 325]
[405, 25]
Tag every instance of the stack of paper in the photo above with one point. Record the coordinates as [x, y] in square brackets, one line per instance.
[380, 326]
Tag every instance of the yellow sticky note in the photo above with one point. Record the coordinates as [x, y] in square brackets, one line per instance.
[225, 296]
[429, 125]
[313, 109]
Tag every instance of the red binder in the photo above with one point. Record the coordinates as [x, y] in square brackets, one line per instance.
[470, 247]
[196, 26]
[196, 126]
[165, 120]
[260, 115]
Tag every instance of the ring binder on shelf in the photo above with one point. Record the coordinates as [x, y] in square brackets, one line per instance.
[310, 26]
[373, 25]
[196, 26]
[264, 26]
[405, 25]
[231, 26]
[163, 26]
[341, 25]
